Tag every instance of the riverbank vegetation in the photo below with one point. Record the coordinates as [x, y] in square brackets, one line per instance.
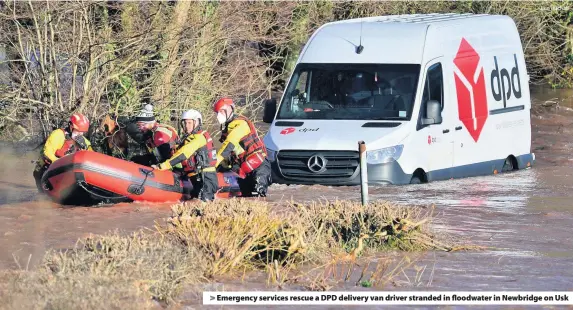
[100, 57]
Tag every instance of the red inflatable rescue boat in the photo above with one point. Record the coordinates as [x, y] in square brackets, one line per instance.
[88, 178]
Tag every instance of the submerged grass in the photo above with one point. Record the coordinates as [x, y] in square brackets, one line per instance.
[225, 237]
[380, 225]
[107, 272]
[148, 260]
[40, 290]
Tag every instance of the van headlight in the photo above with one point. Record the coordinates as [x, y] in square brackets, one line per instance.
[271, 154]
[385, 155]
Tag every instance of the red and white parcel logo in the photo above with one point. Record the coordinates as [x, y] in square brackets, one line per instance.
[287, 131]
[470, 89]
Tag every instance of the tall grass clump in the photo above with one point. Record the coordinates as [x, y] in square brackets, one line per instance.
[234, 234]
[383, 225]
[237, 234]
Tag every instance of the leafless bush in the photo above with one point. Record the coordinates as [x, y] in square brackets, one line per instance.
[98, 57]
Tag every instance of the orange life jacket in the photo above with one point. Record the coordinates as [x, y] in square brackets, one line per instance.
[204, 157]
[251, 144]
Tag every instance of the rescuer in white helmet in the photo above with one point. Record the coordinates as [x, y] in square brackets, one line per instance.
[197, 155]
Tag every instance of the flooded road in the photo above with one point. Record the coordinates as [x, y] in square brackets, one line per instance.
[525, 217]
[30, 224]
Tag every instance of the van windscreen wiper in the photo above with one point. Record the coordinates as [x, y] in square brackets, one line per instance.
[387, 118]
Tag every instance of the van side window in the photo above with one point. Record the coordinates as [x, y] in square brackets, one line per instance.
[433, 87]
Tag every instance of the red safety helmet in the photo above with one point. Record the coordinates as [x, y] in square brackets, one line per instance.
[223, 102]
[79, 122]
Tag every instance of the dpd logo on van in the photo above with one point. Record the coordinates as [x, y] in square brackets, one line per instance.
[470, 89]
[500, 76]
[290, 130]
[287, 131]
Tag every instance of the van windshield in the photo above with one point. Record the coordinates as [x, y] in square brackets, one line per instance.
[351, 92]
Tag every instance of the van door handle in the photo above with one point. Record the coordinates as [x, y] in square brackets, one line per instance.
[445, 130]
[459, 128]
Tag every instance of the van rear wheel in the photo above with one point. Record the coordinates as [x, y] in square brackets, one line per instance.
[509, 164]
[415, 180]
[418, 177]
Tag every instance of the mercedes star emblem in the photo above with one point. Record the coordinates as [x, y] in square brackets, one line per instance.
[316, 163]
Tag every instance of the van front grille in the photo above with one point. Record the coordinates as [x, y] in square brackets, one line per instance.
[316, 165]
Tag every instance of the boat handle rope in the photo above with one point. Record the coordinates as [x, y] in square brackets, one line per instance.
[81, 184]
[147, 173]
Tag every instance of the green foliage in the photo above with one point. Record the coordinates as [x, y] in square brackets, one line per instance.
[366, 284]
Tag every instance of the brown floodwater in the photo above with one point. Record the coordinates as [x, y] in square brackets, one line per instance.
[524, 217]
[31, 223]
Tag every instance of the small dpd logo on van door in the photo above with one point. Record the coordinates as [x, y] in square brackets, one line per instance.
[470, 89]
[287, 131]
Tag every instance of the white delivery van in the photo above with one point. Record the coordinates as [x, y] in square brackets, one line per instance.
[434, 97]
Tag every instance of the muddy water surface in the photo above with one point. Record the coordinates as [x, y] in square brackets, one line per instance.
[525, 217]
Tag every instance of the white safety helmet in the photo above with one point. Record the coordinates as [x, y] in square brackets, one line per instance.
[192, 114]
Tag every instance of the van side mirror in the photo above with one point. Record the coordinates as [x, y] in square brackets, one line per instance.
[270, 110]
[433, 113]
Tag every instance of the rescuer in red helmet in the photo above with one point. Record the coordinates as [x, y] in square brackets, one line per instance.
[160, 139]
[61, 142]
[242, 149]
